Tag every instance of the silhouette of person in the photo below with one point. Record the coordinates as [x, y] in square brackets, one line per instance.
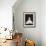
[29, 21]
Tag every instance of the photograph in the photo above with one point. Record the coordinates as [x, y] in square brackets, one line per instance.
[29, 19]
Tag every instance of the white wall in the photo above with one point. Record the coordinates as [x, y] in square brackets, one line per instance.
[31, 6]
[35, 34]
[6, 13]
[43, 22]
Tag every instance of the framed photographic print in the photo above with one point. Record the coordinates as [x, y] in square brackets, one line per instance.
[29, 19]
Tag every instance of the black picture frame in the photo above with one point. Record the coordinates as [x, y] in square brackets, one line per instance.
[29, 19]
